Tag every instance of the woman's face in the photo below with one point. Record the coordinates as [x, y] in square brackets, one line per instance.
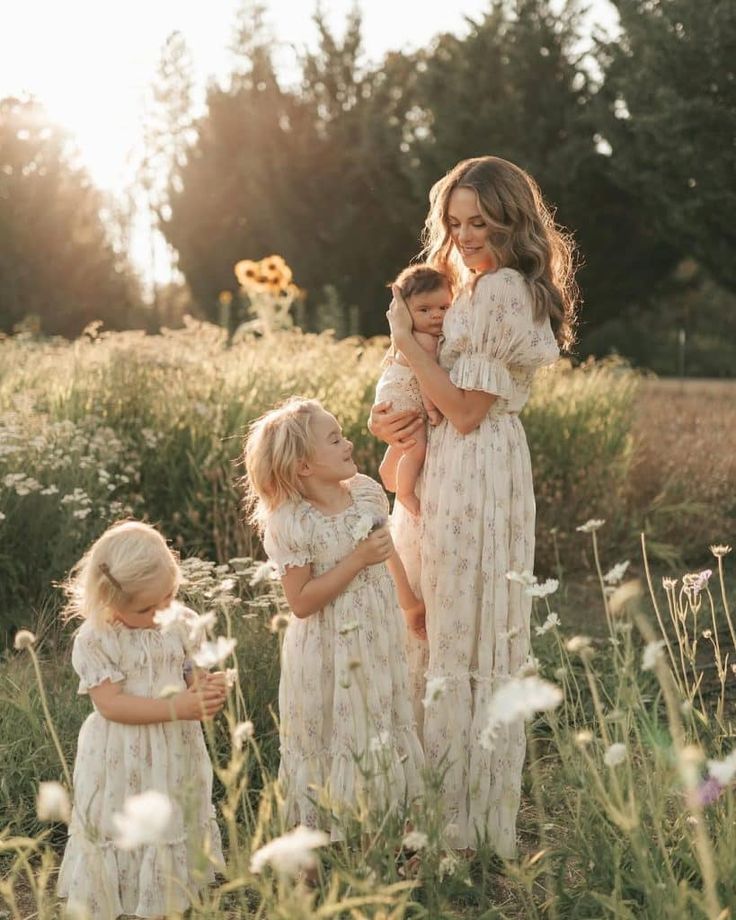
[469, 231]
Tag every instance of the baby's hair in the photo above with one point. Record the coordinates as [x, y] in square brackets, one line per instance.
[274, 445]
[128, 558]
[420, 279]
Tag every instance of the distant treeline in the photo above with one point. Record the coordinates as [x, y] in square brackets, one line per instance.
[631, 140]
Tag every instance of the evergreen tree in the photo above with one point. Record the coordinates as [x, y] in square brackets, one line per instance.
[56, 261]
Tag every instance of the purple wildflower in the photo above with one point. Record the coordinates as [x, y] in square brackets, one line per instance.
[709, 791]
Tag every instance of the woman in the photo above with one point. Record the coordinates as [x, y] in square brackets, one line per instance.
[489, 230]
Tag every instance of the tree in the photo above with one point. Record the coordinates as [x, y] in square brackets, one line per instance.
[669, 114]
[56, 260]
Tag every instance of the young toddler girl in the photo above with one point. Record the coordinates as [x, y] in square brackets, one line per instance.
[428, 296]
[136, 740]
[346, 719]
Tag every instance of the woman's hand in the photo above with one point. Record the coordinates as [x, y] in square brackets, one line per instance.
[376, 548]
[399, 319]
[394, 428]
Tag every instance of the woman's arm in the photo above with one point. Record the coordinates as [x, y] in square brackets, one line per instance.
[193, 704]
[306, 594]
[465, 409]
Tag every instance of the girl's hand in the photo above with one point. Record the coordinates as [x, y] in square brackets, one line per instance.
[217, 679]
[376, 548]
[399, 319]
[201, 701]
[416, 620]
[395, 428]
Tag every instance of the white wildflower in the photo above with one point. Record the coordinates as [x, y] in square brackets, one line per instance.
[651, 655]
[52, 803]
[435, 689]
[50, 490]
[169, 617]
[291, 853]
[583, 738]
[543, 590]
[723, 770]
[523, 578]
[81, 513]
[415, 840]
[231, 676]
[448, 866]
[212, 653]
[2, 516]
[614, 575]
[591, 525]
[615, 755]
[143, 820]
[278, 622]
[551, 622]
[720, 550]
[242, 731]
[24, 639]
[266, 571]
[199, 626]
[518, 699]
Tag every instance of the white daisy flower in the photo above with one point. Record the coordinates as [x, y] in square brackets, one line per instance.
[143, 820]
[291, 853]
[213, 653]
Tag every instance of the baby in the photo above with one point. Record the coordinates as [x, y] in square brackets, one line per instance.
[428, 296]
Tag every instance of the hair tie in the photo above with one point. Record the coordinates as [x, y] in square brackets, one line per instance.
[105, 569]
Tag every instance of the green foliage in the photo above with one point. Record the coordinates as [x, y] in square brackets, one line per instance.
[56, 261]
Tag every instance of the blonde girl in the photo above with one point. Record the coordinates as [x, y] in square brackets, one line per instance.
[135, 740]
[490, 232]
[346, 719]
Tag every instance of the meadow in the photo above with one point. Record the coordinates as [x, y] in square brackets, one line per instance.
[628, 808]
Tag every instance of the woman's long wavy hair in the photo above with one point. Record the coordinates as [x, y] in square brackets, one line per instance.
[522, 234]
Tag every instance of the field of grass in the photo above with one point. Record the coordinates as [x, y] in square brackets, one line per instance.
[621, 813]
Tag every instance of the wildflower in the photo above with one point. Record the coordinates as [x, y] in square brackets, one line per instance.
[447, 866]
[543, 590]
[278, 622]
[583, 738]
[143, 820]
[591, 525]
[199, 627]
[707, 633]
[696, 581]
[651, 655]
[723, 770]
[348, 627]
[231, 676]
[720, 550]
[708, 791]
[577, 644]
[615, 755]
[518, 699]
[669, 583]
[266, 571]
[168, 618]
[291, 853]
[523, 578]
[242, 731]
[212, 653]
[50, 490]
[81, 513]
[415, 840]
[24, 639]
[615, 574]
[435, 690]
[551, 622]
[2, 516]
[52, 803]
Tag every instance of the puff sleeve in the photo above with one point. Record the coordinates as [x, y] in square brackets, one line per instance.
[287, 538]
[503, 337]
[370, 495]
[96, 657]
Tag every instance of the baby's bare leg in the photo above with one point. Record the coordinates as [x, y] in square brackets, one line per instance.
[407, 473]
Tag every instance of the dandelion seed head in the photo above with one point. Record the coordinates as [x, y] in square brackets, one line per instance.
[24, 639]
[578, 644]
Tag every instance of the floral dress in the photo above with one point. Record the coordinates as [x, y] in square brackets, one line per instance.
[115, 761]
[477, 523]
[347, 725]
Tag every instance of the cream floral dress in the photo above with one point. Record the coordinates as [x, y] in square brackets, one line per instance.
[346, 719]
[477, 523]
[115, 761]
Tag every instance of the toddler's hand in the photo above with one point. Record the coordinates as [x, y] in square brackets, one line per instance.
[377, 547]
[217, 679]
[416, 620]
[201, 701]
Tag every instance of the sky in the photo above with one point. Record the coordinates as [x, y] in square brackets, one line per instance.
[92, 62]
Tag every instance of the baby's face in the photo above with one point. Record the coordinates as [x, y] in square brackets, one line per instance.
[428, 310]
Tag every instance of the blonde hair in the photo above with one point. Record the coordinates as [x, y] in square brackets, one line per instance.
[522, 234]
[276, 442]
[128, 558]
